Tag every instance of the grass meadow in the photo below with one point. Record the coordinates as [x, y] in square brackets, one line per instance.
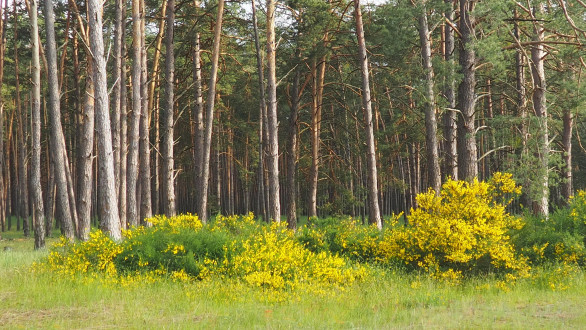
[388, 299]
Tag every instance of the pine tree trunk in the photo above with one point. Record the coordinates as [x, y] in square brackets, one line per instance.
[541, 202]
[86, 157]
[2, 162]
[144, 143]
[431, 141]
[116, 92]
[467, 153]
[273, 129]
[263, 195]
[374, 216]
[293, 149]
[57, 139]
[167, 117]
[36, 192]
[567, 185]
[202, 208]
[134, 120]
[108, 203]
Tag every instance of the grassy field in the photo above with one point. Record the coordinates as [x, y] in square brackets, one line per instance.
[32, 300]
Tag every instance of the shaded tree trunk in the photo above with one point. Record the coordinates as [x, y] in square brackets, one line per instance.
[293, 149]
[467, 153]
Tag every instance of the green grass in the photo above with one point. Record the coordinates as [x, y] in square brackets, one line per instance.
[389, 300]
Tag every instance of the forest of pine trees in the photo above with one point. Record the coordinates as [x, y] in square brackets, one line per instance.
[114, 111]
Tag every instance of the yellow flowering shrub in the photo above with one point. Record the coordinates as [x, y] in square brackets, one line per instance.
[174, 224]
[274, 260]
[73, 259]
[463, 229]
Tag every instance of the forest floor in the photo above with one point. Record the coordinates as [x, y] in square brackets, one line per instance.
[34, 300]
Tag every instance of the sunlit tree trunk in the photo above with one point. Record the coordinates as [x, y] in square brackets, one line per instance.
[108, 203]
[134, 120]
[36, 192]
[167, 117]
[431, 141]
[203, 198]
[57, 140]
[374, 216]
[541, 199]
[262, 188]
[273, 142]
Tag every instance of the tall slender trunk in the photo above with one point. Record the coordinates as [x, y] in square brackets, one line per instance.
[134, 120]
[374, 216]
[2, 163]
[108, 203]
[119, 121]
[119, 27]
[293, 149]
[431, 141]
[467, 153]
[167, 117]
[86, 157]
[198, 117]
[144, 144]
[567, 185]
[273, 128]
[450, 116]
[203, 198]
[57, 139]
[263, 189]
[541, 202]
[123, 144]
[36, 192]
[318, 71]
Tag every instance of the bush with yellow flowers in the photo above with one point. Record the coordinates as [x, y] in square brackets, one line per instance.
[559, 238]
[183, 249]
[274, 260]
[464, 229]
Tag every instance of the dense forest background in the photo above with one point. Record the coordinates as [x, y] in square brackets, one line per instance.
[165, 107]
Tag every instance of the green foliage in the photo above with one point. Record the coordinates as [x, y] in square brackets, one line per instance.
[560, 238]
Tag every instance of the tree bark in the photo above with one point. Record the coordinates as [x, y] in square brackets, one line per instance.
[567, 185]
[86, 157]
[134, 120]
[467, 153]
[167, 117]
[541, 195]
[203, 198]
[144, 143]
[293, 149]
[36, 192]
[431, 141]
[273, 128]
[57, 139]
[198, 112]
[108, 203]
[116, 90]
[374, 216]
[263, 191]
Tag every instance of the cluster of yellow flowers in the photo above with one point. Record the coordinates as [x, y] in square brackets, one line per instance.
[176, 223]
[95, 255]
[274, 260]
[464, 228]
